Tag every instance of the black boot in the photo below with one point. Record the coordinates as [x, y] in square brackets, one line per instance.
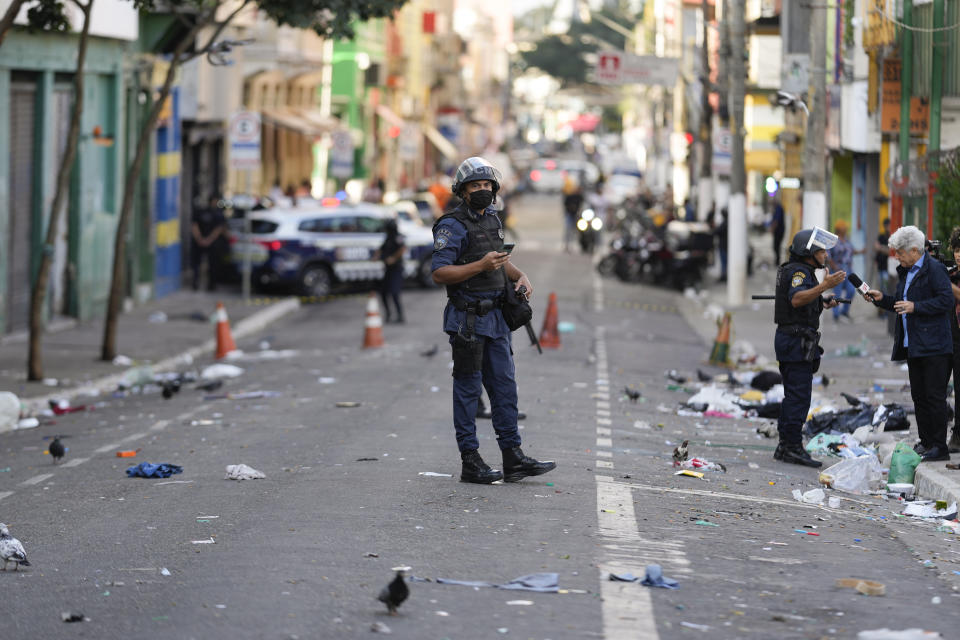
[517, 465]
[796, 454]
[476, 470]
[778, 453]
[954, 444]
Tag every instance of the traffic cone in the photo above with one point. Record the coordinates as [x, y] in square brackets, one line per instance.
[225, 343]
[373, 335]
[549, 336]
[720, 354]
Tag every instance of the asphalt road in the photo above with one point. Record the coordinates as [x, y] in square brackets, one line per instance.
[302, 553]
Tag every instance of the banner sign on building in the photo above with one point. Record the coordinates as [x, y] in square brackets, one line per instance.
[620, 67]
[890, 105]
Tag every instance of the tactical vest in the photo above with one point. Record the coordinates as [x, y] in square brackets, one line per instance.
[785, 313]
[484, 234]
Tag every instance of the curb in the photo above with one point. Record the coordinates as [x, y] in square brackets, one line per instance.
[250, 325]
[934, 483]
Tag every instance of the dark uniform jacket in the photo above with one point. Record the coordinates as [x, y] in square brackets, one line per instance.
[792, 322]
[929, 324]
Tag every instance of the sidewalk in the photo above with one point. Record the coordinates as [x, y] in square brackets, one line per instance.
[71, 356]
[753, 323]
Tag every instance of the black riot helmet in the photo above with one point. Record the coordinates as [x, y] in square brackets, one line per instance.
[473, 169]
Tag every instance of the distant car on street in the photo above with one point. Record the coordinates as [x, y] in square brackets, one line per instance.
[313, 249]
[621, 186]
[546, 176]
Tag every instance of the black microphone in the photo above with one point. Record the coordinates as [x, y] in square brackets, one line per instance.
[860, 285]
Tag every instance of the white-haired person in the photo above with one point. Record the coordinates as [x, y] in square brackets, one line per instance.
[924, 301]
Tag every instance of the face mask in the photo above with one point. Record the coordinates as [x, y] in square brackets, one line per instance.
[481, 199]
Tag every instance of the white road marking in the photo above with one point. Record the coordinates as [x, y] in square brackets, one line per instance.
[601, 396]
[603, 431]
[627, 610]
[603, 413]
[601, 404]
[604, 421]
[135, 436]
[602, 388]
[604, 464]
[604, 454]
[5, 494]
[107, 447]
[37, 479]
[74, 462]
[604, 442]
[160, 425]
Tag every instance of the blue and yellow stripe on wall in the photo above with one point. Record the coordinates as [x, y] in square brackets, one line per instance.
[166, 204]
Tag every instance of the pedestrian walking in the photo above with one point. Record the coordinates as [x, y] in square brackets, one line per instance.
[924, 301]
[953, 445]
[798, 303]
[208, 235]
[572, 202]
[777, 226]
[468, 259]
[841, 259]
[391, 253]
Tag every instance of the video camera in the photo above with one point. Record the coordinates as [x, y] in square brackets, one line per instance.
[933, 248]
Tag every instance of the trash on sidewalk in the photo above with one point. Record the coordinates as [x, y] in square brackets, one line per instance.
[702, 464]
[379, 627]
[243, 472]
[928, 509]
[62, 407]
[151, 470]
[157, 317]
[692, 625]
[905, 489]
[27, 423]
[220, 371]
[655, 578]
[814, 496]
[434, 474]
[347, 405]
[209, 540]
[866, 587]
[73, 616]
[843, 445]
[689, 473]
[9, 411]
[891, 417]
[122, 361]
[128, 454]
[164, 571]
[135, 377]
[854, 475]
[905, 634]
[537, 582]
[903, 464]
[768, 431]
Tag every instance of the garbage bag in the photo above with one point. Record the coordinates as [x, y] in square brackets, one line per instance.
[892, 416]
[854, 475]
[903, 464]
[846, 421]
[765, 380]
[9, 411]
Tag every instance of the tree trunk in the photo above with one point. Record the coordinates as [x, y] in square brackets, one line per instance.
[6, 22]
[108, 349]
[38, 295]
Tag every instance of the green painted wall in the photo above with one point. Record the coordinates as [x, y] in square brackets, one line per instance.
[95, 199]
[841, 189]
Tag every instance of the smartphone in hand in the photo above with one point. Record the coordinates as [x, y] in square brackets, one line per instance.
[508, 247]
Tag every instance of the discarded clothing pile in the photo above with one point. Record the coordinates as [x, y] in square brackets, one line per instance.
[150, 470]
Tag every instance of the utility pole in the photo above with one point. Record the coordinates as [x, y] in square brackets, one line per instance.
[936, 81]
[814, 155]
[737, 209]
[704, 183]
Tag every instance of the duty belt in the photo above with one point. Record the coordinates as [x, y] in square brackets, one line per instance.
[478, 307]
[797, 329]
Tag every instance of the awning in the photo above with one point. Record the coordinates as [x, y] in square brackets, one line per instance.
[443, 145]
[289, 119]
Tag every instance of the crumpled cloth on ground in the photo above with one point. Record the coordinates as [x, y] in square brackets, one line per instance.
[655, 578]
[539, 582]
[150, 470]
[242, 472]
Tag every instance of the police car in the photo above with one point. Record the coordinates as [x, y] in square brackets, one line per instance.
[318, 245]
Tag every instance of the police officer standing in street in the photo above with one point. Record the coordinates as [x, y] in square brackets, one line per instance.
[468, 259]
[798, 303]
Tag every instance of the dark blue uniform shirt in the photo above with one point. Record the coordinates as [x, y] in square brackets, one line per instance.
[449, 241]
[789, 348]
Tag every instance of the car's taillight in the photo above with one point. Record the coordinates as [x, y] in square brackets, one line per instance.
[272, 245]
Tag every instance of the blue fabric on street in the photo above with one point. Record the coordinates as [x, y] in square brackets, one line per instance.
[151, 470]
[498, 377]
[911, 274]
[537, 582]
[655, 578]
[797, 391]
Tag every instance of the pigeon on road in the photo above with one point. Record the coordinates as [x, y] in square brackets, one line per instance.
[56, 449]
[396, 592]
[704, 377]
[11, 550]
[632, 394]
[680, 454]
[432, 351]
[674, 376]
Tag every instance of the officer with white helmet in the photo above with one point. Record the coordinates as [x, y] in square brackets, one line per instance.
[468, 259]
[798, 303]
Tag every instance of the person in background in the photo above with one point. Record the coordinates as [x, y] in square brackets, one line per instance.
[374, 191]
[954, 443]
[883, 256]
[208, 229]
[720, 231]
[777, 226]
[925, 303]
[841, 259]
[572, 202]
[391, 253]
[689, 211]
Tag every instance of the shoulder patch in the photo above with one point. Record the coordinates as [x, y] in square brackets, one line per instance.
[798, 279]
[441, 241]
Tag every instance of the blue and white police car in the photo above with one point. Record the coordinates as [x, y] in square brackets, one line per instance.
[316, 246]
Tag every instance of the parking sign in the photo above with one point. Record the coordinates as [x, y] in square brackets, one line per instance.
[245, 140]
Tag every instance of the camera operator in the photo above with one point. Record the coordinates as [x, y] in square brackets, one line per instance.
[954, 444]
[924, 302]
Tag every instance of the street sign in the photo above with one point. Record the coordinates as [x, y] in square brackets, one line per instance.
[620, 67]
[245, 140]
[722, 161]
[341, 155]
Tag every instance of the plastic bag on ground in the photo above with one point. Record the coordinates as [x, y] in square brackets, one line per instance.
[136, 377]
[702, 464]
[854, 475]
[243, 472]
[219, 371]
[9, 411]
[713, 398]
[814, 496]
[846, 421]
[903, 464]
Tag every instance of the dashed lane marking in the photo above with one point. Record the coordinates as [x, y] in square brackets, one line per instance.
[107, 447]
[132, 437]
[5, 494]
[604, 431]
[73, 462]
[162, 424]
[37, 479]
[604, 464]
[603, 413]
[607, 421]
[604, 454]
[604, 442]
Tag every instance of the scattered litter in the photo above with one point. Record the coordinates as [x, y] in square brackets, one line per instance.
[122, 361]
[28, 423]
[655, 578]
[927, 509]
[347, 405]
[854, 475]
[905, 488]
[866, 587]
[242, 472]
[137, 376]
[164, 571]
[887, 417]
[698, 627]
[127, 454]
[688, 472]
[50, 382]
[434, 474]
[753, 465]
[814, 496]
[9, 411]
[566, 327]
[768, 431]
[207, 541]
[520, 603]
[538, 582]
[220, 371]
[326, 380]
[264, 354]
[702, 464]
[371, 554]
[890, 634]
[73, 616]
[379, 627]
[157, 484]
[366, 459]
[157, 317]
[150, 470]
[903, 464]
[251, 395]
[706, 523]
[834, 502]
[623, 577]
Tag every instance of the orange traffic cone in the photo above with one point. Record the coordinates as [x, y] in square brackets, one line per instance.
[720, 354]
[373, 335]
[549, 336]
[225, 343]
